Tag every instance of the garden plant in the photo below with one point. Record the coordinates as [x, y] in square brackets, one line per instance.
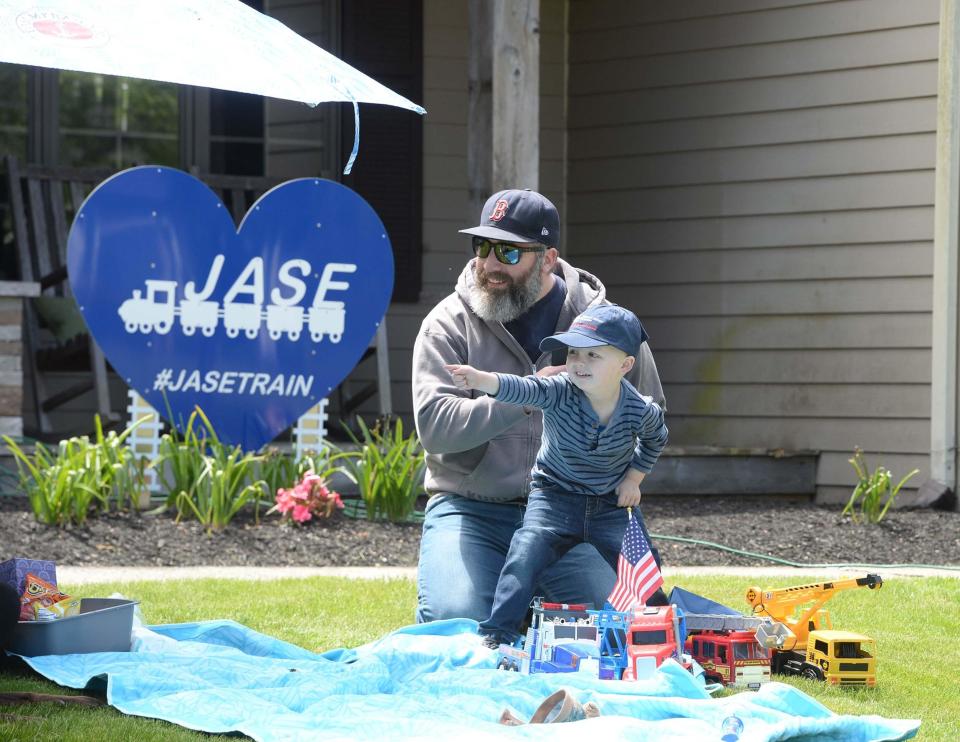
[211, 481]
[276, 471]
[80, 476]
[874, 493]
[388, 469]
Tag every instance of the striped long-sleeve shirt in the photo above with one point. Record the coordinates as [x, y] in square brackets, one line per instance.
[577, 454]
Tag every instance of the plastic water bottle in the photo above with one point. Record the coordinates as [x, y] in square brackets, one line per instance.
[731, 729]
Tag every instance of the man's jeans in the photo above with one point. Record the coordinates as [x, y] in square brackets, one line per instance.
[554, 524]
[463, 549]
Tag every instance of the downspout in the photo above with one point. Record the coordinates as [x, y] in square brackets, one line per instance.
[943, 392]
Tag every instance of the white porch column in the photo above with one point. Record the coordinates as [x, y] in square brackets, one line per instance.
[516, 94]
[946, 266]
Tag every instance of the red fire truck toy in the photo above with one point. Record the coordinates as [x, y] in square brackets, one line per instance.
[734, 649]
[733, 658]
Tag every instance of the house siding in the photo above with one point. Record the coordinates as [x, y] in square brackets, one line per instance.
[445, 199]
[756, 180]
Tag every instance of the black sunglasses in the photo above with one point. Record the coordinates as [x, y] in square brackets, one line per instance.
[506, 252]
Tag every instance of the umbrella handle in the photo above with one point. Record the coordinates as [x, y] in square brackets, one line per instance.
[356, 138]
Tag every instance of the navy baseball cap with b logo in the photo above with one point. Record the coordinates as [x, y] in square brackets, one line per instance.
[607, 324]
[519, 216]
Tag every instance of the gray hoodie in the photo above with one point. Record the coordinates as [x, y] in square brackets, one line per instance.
[478, 447]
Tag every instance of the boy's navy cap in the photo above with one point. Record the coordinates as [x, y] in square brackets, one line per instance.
[519, 216]
[607, 324]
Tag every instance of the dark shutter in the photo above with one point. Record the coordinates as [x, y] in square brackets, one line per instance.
[384, 39]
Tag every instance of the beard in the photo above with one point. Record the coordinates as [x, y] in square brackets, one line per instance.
[506, 302]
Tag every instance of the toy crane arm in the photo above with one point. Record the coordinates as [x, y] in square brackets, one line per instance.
[805, 599]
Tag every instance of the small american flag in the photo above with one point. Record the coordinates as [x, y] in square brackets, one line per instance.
[637, 574]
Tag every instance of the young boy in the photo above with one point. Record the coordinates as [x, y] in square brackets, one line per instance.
[600, 439]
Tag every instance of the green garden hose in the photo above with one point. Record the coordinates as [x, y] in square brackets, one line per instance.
[357, 509]
[788, 563]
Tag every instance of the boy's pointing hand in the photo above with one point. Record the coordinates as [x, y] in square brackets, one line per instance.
[468, 377]
[459, 374]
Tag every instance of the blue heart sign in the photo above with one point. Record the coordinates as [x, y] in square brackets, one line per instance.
[255, 325]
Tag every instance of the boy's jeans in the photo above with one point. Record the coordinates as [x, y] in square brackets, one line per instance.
[462, 552]
[554, 523]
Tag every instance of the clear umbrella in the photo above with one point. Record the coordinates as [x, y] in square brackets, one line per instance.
[215, 43]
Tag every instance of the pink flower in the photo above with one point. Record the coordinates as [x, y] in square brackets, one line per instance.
[301, 513]
[310, 479]
[285, 501]
[301, 491]
[308, 499]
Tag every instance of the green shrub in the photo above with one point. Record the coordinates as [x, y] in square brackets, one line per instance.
[277, 471]
[874, 492]
[388, 469]
[80, 476]
[180, 461]
[319, 462]
[207, 479]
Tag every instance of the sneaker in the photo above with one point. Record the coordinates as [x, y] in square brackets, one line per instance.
[490, 641]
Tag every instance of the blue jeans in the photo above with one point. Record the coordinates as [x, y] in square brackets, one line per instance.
[463, 549]
[554, 524]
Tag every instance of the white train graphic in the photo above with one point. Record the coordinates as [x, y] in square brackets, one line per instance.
[158, 310]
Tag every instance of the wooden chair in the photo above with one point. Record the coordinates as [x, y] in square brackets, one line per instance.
[43, 201]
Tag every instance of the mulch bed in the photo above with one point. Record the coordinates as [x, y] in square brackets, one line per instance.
[794, 531]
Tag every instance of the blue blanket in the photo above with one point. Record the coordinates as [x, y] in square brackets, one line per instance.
[432, 681]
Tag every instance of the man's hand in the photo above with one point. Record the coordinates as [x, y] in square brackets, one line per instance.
[468, 377]
[551, 370]
[628, 491]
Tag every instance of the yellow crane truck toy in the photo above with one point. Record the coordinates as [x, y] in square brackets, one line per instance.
[818, 651]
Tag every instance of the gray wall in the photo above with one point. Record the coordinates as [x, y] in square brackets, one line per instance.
[445, 202]
[755, 179]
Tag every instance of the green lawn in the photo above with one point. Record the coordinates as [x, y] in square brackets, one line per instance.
[915, 621]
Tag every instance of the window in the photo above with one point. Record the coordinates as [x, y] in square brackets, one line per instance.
[649, 637]
[741, 651]
[117, 122]
[13, 141]
[237, 128]
[236, 133]
[13, 110]
[847, 650]
[587, 633]
[821, 646]
[388, 173]
[564, 631]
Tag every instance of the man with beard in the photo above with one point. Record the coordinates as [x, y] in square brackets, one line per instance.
[515, 292]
